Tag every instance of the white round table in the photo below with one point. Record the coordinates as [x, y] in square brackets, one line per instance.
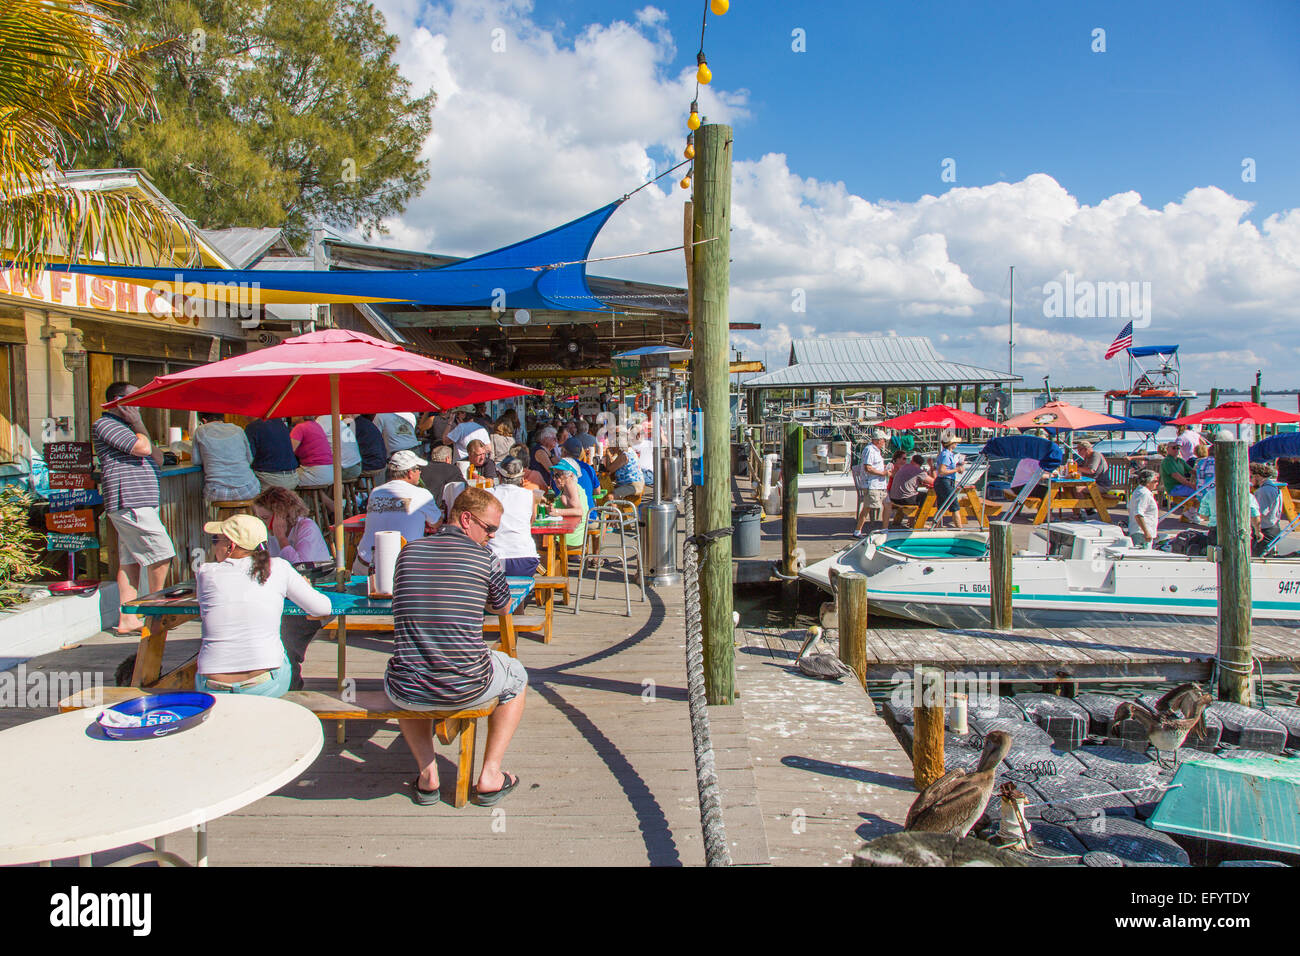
[69, 792]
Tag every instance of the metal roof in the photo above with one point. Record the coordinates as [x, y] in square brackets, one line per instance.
[883, 360]
[863, 350]
[244, 246]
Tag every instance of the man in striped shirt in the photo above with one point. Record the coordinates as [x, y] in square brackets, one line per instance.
[128, 464]
[444, 583]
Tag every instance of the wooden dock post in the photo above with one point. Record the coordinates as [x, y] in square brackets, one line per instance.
[1232, 514]
[929, 708]
[851, 599]
[1214, 397]
[1000, 587]
[710, 364]
[791, 467]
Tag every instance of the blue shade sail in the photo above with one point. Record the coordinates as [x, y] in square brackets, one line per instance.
[546, 271]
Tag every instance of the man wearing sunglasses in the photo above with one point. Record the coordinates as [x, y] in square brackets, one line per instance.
[444, 584]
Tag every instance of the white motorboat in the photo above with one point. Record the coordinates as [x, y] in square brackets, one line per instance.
[1072, 573]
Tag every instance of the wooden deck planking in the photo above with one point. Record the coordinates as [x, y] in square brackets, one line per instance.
[828, 771]
[1176, 652]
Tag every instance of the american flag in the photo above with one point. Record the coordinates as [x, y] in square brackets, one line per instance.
[1122, 341]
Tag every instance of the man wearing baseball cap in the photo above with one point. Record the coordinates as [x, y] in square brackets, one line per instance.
[401, 504]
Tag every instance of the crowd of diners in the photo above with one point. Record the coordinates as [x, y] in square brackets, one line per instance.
[890, 474]
[462, 489]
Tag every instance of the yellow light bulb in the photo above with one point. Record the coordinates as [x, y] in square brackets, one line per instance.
[689, 151]
[694, 121]
[703, 74]
[719, 7]
[686, 183]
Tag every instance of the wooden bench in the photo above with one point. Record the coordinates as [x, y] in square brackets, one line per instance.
[507, 625]
[547, 586]
[367, 705]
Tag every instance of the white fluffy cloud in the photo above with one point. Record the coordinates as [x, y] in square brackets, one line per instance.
[533, 128]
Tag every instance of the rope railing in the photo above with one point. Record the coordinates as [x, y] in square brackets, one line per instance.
[716, 850]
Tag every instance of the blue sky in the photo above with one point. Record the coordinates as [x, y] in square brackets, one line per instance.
[1122, 166]
[885, 91]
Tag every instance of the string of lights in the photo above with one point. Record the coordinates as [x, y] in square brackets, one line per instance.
[703, 76]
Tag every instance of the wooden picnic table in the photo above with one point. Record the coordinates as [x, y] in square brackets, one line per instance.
[162, 614]
[549, 532]
[1072, 493]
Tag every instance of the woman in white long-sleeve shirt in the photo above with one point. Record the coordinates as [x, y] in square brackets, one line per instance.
[241, 600]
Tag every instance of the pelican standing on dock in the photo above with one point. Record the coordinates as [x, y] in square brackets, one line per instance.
[955, 802]
[814, 661]
[1175, 715]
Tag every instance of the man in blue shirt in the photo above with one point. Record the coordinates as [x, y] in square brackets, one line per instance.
[370, 441]
[274, 462]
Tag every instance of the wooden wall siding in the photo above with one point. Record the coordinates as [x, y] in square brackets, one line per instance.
[6, 407]
[183, 514]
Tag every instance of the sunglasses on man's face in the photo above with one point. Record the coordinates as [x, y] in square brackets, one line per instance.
[491, 529]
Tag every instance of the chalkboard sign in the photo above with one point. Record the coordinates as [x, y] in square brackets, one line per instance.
[71, 542]
[67, 500]
[72, 479]
[68, 456]
[71, 522]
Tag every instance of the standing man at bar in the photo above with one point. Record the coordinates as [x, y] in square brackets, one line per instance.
[129, 484]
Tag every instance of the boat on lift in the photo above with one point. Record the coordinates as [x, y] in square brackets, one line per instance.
[1154, 391]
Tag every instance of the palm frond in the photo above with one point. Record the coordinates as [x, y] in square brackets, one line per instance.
[65, 70]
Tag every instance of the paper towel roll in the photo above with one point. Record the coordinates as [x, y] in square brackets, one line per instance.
[384, 563]
[173, 435]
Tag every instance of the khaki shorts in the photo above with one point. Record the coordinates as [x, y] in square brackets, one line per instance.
[509, 678]
[874, 499]
[277, 479]
[141, 537]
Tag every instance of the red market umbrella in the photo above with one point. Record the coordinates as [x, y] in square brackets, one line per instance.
[939, 416]
[1237, 413]
[1060, 415]
[331, 372]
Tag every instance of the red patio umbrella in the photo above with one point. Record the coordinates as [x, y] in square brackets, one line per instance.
[1237, 413]
[939, 416]
[331, 372]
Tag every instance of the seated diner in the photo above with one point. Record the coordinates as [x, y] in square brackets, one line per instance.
[241, 602]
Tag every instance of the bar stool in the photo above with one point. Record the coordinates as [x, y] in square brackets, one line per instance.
[616, 517]
[318, 498]
[350, 506]
[221, 510]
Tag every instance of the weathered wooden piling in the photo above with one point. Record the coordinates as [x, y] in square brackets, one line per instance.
[1232, 514]
[710, 362]
[851, 599]
[791, 467]
[928, 712]
[1000, 586]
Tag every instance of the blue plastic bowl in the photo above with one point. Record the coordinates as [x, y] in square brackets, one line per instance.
[164, 714]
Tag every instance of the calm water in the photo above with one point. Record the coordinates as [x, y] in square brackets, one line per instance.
[769, 611]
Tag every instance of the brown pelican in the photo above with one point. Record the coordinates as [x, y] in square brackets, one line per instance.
[1167, 725]
[814, 661]
[955, 802]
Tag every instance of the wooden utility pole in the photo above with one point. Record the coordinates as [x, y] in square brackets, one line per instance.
[710, 361]
[791, 467]
[851, 600]
[1000, 589]
[1232, 513]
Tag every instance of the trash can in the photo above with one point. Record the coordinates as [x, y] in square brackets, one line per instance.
[747, 524]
